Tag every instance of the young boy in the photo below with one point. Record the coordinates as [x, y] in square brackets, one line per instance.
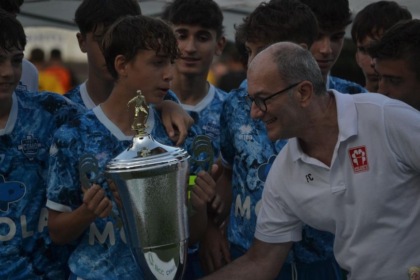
[28, 121]
[93, 19]
[139, 52]
[333, 17]
[29, 78]
[198, 26]
[396, 57]
[368, 26]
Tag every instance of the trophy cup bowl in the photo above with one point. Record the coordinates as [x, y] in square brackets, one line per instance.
[151, 180]
[152, 191]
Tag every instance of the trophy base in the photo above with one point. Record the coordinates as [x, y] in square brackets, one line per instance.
[166, 262]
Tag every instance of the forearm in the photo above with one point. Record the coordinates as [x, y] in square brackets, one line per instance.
[198, 226]
[65, 227]
[262, 261]
[224, 190]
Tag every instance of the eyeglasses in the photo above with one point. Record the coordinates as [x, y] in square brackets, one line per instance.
[260, 102]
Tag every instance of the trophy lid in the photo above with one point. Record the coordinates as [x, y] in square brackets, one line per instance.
[145, 153]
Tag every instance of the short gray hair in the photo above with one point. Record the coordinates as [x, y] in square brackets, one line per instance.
[296, 64]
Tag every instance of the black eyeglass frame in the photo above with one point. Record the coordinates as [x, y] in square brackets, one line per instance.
[260, 102]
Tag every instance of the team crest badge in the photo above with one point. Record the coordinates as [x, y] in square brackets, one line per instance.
[29, 147]
[359, 159]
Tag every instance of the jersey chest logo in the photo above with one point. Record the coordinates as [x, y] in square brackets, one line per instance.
[359, 159]
[29, 147]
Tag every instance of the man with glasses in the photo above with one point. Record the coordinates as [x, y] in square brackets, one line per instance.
[248, 154]
[349, 168]
[260, 102]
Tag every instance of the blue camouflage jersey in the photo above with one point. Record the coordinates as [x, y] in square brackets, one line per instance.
[344, 86]
[26, 251]
[206, 115]
[80, 96]
[246, 148]
[102, 252]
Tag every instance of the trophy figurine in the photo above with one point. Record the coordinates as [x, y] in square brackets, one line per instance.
[151, 180]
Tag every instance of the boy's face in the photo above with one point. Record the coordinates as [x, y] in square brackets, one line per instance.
[90, 44]
[327, 48]
[151, 73]
[198, 46]
[10, 71]
[398, 81]
[254, 48]
[365, 62]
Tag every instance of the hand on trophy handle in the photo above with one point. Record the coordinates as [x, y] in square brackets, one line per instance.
[96, 202]
[114, 192]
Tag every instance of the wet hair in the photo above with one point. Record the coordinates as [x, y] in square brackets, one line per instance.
[296, 64]
[11, 6]
[12, 35]
[131, 34]
[204, 13]
[94, 14]
[276, 21]
[332, 15]
[401, 41]
[376, 18]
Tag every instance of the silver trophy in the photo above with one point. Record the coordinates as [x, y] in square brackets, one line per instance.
[151, 180]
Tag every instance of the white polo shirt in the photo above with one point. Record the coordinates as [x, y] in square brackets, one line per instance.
[369, 197]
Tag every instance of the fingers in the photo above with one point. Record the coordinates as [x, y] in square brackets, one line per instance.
[115, 193]
[96, 201]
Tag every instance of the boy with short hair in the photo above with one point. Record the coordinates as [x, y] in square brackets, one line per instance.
[198, 27]
[396, 57]
[333, 17]
[368, 26]
[93, 19]
[28, 121]
[139, 52]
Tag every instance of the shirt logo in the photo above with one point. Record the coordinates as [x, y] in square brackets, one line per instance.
[30, 147]
[359, 159]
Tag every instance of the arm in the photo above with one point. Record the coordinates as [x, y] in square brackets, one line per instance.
[202, 194]
[214, 247]
[65, 227]
[224, 192]
[175, 120]
[262, 261]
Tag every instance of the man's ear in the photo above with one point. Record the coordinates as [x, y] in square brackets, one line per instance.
[306, 92]
[81, 39]
[220, 45]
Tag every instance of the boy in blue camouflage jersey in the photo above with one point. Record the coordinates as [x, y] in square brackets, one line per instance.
[248, 153]
[93, 19]
[333, 17]
[28, 121]
[139, 52]
[198, 26]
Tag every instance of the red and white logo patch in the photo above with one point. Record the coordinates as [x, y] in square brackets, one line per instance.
[359, 159]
